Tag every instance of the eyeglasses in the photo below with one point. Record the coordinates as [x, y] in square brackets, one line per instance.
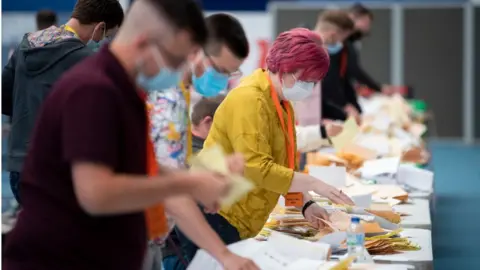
[231, 75]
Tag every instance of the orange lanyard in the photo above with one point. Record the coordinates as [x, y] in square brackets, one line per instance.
[155, 217]
[288, 130]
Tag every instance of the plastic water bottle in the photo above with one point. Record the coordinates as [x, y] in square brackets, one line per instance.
[356, 240]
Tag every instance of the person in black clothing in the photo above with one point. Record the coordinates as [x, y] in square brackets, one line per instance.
[40, 59]
[339, 99]
[362, 18]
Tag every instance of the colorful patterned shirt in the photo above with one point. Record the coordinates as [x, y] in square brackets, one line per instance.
[169, 131]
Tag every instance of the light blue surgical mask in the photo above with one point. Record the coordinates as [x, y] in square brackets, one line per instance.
[92, 44]
[165, 79]
[211, 83]
[95, 45]
[335, 48]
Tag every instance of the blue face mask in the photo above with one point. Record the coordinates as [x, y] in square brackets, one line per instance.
[335, 48]
[92, 44]
[165, 79]
[211, 83]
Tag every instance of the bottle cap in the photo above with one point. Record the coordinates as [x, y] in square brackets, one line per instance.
[355, 220]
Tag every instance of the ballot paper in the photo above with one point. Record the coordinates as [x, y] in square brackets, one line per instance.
[214, 159]
[378, 143]
[381, 122]
[267, 255]
[295, 249]
[404, 137]
[332, 175]
[417, 129]
[347, 136]
[417, 178]
[360, 151]
[307, 264]
[382, 166]
[362, 200]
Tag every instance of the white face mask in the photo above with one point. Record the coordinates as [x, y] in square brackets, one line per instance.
[299, 91]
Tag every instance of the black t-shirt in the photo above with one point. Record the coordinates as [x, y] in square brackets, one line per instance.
[94, 114]
[337, 89]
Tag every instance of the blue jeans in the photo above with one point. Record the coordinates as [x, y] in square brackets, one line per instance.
[173, 263]
[220, 225]
[14, 183]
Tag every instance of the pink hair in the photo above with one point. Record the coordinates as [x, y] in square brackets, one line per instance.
[299, 49]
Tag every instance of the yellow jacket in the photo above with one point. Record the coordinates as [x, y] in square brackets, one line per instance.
[247, 122]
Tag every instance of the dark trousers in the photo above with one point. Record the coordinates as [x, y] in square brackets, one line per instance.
[225, 230]
[172, 262]
[14, 183]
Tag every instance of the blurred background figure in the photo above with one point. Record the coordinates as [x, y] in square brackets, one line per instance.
[46, 18]
[362, 18]
[40, 59]
[338, 98]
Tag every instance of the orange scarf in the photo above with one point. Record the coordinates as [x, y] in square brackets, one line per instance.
[294, 198]
[155, 217]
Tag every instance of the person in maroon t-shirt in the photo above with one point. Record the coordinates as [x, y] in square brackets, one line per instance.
[84, 187]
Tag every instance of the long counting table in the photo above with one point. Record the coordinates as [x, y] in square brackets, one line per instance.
[418, 211]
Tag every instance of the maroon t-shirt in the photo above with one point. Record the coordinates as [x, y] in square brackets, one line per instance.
[94, 114]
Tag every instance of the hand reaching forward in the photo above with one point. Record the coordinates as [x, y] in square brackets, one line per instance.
[333, 129]
[231, 261]
[332, 193]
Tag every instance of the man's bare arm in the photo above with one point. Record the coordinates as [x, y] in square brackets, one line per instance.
[100, 191]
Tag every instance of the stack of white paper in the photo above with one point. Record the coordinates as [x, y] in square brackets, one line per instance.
[378, 167]
[417, 178]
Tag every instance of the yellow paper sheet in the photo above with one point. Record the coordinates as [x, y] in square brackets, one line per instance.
[214, 159]
[348, 134]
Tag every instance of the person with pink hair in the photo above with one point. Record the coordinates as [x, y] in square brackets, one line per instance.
[256, 119]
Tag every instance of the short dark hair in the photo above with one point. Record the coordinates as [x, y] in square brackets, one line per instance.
[205, 107]
[224, 29]
[95, 11]
[338, 18]
[359, 10]
[184, 15]
[46, 18]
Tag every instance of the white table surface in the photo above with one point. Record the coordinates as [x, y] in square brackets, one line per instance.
[421, 259]
[420, 195]
[419, 210]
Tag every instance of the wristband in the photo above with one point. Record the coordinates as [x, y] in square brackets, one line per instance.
[306, 205]
[323, 132]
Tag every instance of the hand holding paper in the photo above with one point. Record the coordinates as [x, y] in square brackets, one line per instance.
[214, 159]
[333, 128]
